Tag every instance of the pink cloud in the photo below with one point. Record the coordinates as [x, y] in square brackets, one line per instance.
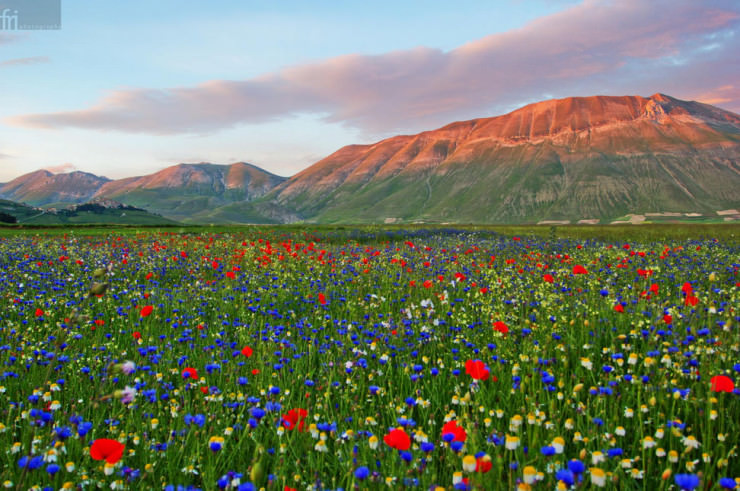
[31, 60]
[6, 38]
[719, 95]
[680, 47]
[62, 168]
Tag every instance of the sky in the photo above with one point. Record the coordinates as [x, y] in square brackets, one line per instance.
[129, 88]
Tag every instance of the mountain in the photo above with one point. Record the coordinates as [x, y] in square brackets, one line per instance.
[44, 188]
[178, 192]
[599, 157]
[183, 190]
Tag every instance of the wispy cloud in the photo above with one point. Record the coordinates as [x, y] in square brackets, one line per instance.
[7, 38]
[62, 168]
[597, 47]
[31, 60]
[720, 95]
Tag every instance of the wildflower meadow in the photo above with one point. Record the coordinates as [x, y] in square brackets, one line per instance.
[285, 359]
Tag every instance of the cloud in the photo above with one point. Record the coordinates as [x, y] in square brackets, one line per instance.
[720, 95]
[5, 156]
[596, 47]
[31, 60]
[6, 38]
[62, 168]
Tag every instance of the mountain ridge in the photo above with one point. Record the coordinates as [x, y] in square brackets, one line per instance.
[172, 191]
[597, 157]
[536, 150]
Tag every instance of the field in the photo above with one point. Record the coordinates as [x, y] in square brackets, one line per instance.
[373, 357]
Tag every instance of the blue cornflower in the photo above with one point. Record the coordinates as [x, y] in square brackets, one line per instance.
[566, 476]
[576, 466]
[688, 482]
[727, 483]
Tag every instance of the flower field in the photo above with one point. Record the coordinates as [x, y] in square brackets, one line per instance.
[291, 359]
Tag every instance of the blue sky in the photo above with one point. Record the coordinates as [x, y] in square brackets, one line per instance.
[128, 88]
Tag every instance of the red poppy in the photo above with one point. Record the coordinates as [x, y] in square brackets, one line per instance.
[548, 278]
[105, 449]
[458, 432]
[687, 288]
[190, 373]
[397, 439]
[204, 390]
[618, 308]
[137, 335]
[247, 351]
[214, 265]
[667, 319]
[722, 383]
[578, 269]
[427, 284]
[39, 312]
[501, 327]
[477, 369]
[295, 417]
[147, 310]
[691, 300]
[230, 275]
[483, 464]
[322, 299]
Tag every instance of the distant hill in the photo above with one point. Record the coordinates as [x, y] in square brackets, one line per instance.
[178, 192]
[184, 190]
[95, 212]
[42, 187]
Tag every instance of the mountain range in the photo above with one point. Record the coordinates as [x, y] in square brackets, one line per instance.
[177, 192]
[579, 158]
